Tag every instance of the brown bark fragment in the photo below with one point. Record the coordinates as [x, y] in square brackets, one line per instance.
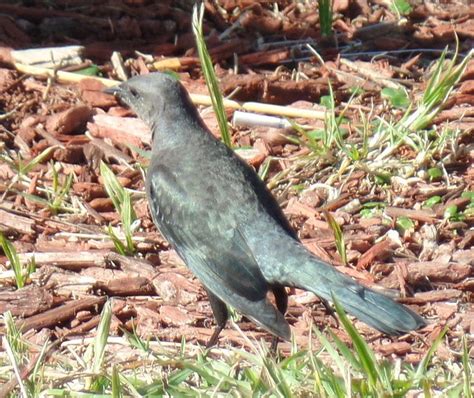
[71, 154]
[133, 286]
[419, 215]
[378, 251]
[10, 221]
[175, 289]
[57, 315]
[26, 302]
[419, 273]
[69, 121]
[398, 348]
[176, 316]
[432, 296]
[72, 260]
[102, 204]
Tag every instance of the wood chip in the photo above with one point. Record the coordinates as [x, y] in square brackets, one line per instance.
[26, 302]
[419, 215]
[72, 120]
[175, 316]
[120, 129]
[433, 296]
[60, 314]
[176, 289]
[419, 273]
[67, 260]
[378, 251]
[133, 286]
[10, 221]
[398, 348]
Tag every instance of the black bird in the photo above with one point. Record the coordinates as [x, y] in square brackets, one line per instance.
[226, 225]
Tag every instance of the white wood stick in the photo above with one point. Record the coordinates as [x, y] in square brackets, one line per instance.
[198, 99]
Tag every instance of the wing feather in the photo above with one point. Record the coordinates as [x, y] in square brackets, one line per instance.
[210, 243]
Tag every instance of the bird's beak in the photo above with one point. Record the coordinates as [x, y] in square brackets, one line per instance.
[115, 91]
[122, 92]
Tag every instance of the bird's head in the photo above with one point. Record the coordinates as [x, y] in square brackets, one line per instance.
[153, 96]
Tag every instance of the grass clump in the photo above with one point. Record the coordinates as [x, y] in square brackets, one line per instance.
[343, 146]
[22, 167]
[153, 368]
[122, 200]
[21, 272]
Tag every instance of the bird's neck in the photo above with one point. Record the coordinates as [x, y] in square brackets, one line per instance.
[182, 133]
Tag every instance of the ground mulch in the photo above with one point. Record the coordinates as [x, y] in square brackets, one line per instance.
[255, 49]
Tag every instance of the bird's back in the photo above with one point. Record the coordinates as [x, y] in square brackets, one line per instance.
[202, 199]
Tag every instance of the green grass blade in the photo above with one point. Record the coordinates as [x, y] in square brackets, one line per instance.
[423, 365]
[15, 263]
[128, 216]
[331, 351]
[101, 338]
[366, 355]
[25, 169]
[338, 236]
[345, 351]
[209, 74]
[467, 369]
[119, 246]
[116, 385]
[114, 189]
[325, 17]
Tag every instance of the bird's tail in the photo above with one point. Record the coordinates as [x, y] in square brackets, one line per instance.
[375, 309]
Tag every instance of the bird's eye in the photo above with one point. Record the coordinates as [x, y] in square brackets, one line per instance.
[134, 92]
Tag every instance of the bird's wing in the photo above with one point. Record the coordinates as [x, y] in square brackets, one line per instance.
[266, 199]
[196, 223]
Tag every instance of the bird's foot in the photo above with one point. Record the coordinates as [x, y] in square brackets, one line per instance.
[215, 337]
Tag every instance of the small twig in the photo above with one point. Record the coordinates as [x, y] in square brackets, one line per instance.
[249, 119]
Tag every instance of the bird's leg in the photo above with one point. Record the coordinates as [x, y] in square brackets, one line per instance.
[215, 336]
[274, 345]
[281, 301]
[221, 314]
